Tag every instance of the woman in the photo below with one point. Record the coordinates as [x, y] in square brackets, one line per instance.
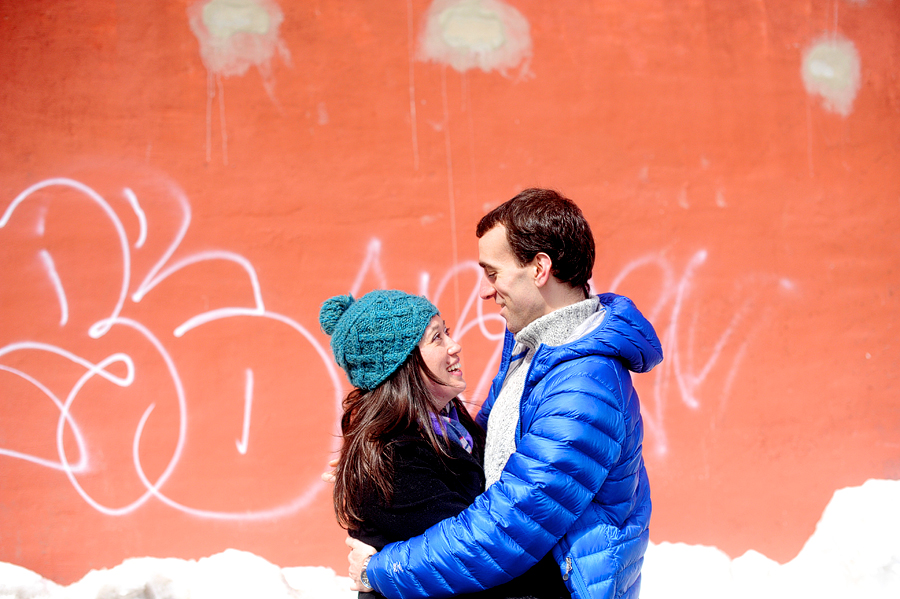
[411, 453]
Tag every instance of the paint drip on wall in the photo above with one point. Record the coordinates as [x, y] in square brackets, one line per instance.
[235, 35]
[465, 34]
[831, 69]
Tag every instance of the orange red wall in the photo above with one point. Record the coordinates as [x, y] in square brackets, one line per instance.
[182, 185]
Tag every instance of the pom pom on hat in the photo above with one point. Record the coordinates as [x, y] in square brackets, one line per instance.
[332, 310]
[373, 336]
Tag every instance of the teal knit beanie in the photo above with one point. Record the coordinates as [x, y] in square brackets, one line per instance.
[372, 337]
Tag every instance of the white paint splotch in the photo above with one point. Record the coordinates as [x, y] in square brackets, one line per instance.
[467, 34]
[831, 71]
[235, 35]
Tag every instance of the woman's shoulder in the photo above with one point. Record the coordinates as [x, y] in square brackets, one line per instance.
[414, 450]
[411, 437]
[414, 442]
[410, 445]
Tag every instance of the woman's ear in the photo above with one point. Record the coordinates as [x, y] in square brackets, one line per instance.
[542, 265]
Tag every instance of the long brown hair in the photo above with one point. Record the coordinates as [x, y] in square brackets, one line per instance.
[371, 422]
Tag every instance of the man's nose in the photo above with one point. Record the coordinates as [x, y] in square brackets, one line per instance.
[486, 291]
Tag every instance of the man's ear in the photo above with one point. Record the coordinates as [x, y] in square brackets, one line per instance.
[542, 265]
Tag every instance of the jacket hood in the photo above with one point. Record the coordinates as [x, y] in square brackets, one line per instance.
[623, 333]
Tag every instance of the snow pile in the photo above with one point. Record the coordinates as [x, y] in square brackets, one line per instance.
[231, 574]
[854, 552]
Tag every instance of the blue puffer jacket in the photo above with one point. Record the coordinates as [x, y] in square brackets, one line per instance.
[576, 484]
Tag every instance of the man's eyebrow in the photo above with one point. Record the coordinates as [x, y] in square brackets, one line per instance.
[484, 264]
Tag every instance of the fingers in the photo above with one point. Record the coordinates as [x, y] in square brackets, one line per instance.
[359, 551]
[328, 475]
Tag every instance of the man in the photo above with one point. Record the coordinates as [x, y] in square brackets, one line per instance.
[566, 483]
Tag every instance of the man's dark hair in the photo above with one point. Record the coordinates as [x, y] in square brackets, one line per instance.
[543, 220]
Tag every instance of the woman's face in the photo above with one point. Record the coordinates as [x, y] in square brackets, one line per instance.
[441, 355]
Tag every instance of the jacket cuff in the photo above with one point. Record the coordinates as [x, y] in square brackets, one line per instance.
[376, 574]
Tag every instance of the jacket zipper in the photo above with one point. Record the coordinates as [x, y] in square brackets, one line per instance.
[578, 587]
[522, 403]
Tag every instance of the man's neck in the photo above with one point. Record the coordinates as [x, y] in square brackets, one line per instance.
[557, 327]
[559, 295]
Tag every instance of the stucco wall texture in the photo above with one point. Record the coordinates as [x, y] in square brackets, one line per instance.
[183, 184]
